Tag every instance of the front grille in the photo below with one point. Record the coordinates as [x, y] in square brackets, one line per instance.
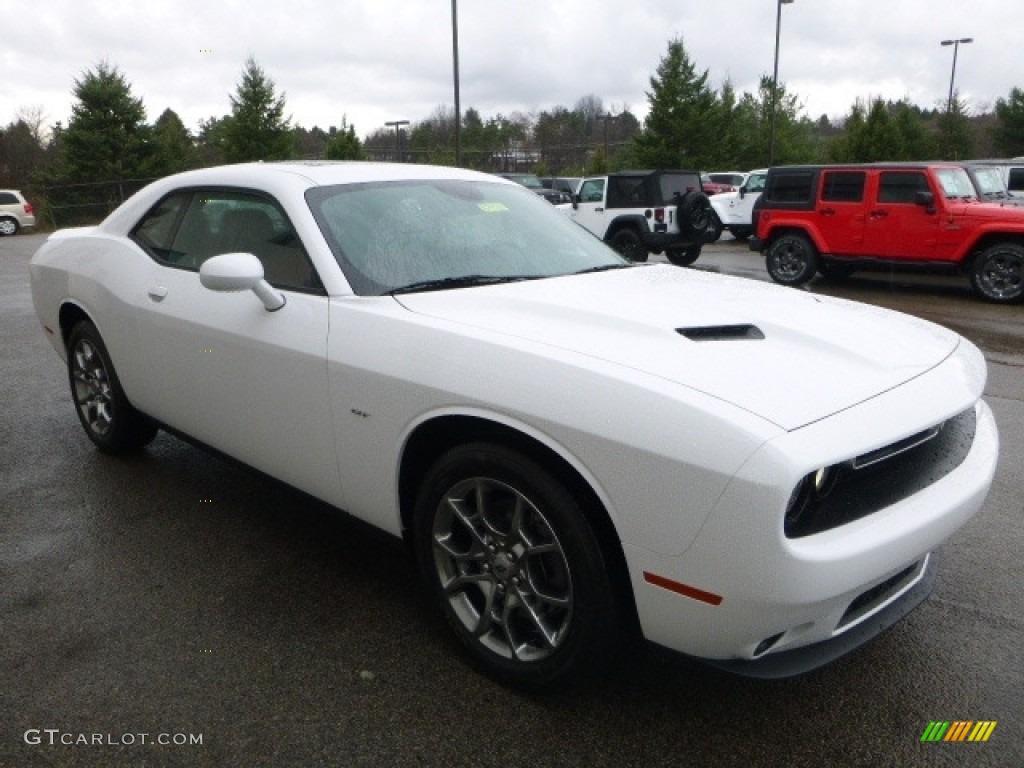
[881, 478]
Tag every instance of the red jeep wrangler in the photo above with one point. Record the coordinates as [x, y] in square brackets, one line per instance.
[836, 219]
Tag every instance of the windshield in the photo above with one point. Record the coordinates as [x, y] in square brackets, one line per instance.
[391, 236]
[990, 183]
[955, 183]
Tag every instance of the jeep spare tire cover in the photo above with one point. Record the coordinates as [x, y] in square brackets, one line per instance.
[694, 214]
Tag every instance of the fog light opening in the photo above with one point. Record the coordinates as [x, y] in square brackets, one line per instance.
[766, 645]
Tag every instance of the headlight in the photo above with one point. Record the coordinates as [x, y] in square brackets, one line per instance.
[811, 489]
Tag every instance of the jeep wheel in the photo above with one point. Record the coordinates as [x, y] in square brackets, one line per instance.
[627, 243]
[996, 273]
[683, 257]
[714, 230]
[791, 260]
[694, 214]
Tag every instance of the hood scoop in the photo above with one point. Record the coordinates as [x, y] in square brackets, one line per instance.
[722, 332]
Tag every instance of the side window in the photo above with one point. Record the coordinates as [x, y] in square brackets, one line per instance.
[901, 186]
[791, 187]
[156, 231]
[7, 198]
[755, 183]
[188, 228]
[843, 186]
[1015, 182]
[592, 191]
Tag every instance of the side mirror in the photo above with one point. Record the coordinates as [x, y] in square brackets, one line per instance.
[233, 272]
[926, 199]
[743, 191]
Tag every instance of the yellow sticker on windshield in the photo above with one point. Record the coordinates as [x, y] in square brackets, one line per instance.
[492, 207]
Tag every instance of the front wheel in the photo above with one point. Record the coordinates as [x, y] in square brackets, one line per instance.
[108, 418]
[791, 259]
[627, 242]
[996, 273]
[515, 565]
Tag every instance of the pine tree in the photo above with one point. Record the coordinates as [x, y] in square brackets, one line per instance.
[256, 128]
[680, 126]
[107, 138]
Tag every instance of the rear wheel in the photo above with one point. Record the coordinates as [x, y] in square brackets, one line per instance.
[791, 259]
[8, 226]
[627, 242]
[683, 257]
[108, 418]
[515, 566]
[996, 273]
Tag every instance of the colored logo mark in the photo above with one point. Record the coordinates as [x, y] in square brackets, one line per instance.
[958, 730]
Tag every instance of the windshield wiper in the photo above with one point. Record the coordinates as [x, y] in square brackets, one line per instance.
[461, 281]
[603, 268]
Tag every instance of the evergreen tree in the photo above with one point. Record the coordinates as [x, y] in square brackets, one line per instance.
[107, 138]
[1009, 131]
[680, 127]
[955, 139]
[256, 128]
[173, 151]
[344, 144]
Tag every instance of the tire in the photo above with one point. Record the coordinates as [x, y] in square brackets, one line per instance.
[714, 230]
[694, 215]
[107, 417]
[741, 233]
[835, 270]
[791, 259]
[683, 257]
[629, 245]
[515, 566]
[997, 272]
[8, 226]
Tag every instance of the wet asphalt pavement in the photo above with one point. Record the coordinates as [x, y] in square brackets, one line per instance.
[171, 609]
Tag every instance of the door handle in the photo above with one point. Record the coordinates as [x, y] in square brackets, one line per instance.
[827, 211]
[879, 214]
[157, 292]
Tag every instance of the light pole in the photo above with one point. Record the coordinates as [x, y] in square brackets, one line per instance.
[952, 75]
[455, 69]
[775, 76]
[398, 137]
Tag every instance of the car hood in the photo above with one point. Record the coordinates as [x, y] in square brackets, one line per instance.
[788, 356]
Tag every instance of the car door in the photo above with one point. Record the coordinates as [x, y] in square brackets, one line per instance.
[221, 368]
[590, 209]
[841, 211]
[897, 226]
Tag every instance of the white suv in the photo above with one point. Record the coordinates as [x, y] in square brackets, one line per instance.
[732, 210]
[15, 212]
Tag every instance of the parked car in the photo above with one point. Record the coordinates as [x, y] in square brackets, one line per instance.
[733, 211]
[571, 444]
[721, 182]
[15, 212]
[643, 212]
[837, 219]
[566, 184]
[989, 185]
[532, 183]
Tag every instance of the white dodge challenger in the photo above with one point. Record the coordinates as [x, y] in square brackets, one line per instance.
[572, 445]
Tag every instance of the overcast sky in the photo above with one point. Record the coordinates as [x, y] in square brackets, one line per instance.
[388, 60]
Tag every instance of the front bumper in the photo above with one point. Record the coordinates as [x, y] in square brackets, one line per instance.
[755, 244]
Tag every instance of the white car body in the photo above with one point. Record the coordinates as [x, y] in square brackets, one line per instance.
[690, 404]
[735, 209]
